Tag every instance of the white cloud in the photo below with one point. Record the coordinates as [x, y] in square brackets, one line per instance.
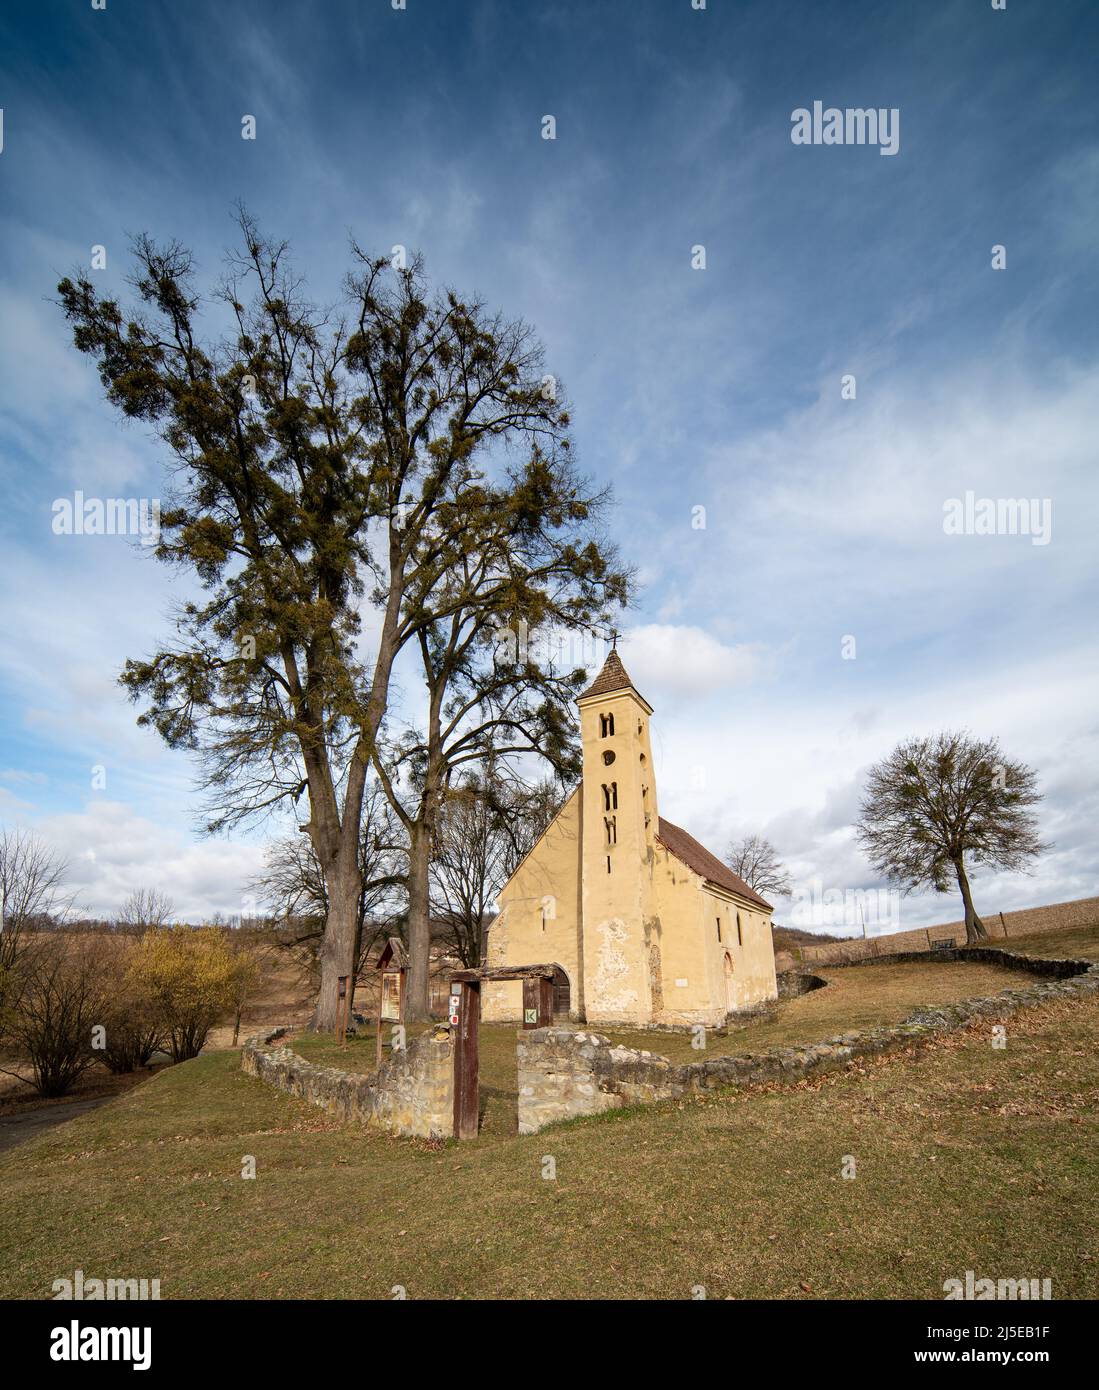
[113, 850]
[790, 764]
[686, 662]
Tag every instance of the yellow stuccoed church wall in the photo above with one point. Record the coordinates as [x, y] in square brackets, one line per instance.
[691, 952]
[539, 919]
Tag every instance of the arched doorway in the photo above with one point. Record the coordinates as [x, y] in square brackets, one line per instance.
[562, 994]
[730, 987]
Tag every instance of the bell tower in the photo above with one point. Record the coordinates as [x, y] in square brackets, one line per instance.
[618, 832]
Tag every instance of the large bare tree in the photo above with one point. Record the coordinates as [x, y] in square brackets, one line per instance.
[756, 861]
[485, 825]
[322, 461]
[939, 802]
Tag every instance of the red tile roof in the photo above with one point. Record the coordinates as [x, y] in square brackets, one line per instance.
[686, 848]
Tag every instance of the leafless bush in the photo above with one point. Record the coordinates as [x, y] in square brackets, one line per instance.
[63, 997]
[32, 895]
[132, 1029]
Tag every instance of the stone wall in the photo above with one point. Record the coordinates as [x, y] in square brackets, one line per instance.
[792, 983]
[412, 1094]
[563, 1074]
[1057, 969]
[1079, 913]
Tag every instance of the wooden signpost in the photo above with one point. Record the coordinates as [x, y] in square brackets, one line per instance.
[341, 1010]
[393, 964]
[538, 1002]
[465, 1021]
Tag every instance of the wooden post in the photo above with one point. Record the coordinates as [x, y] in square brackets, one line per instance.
[530, 1004]
[341, 1010]
[466, 1036]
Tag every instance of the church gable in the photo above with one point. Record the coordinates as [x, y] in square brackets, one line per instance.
[539, 918]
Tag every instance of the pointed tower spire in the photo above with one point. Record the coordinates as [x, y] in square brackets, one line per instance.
[612, 677]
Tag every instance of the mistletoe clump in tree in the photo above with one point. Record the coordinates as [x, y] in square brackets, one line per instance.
[323, 463]
[938, 802]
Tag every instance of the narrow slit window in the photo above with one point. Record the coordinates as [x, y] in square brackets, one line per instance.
[719, 929]
[739, 934]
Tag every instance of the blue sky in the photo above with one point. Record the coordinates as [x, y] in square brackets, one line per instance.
[715, 388]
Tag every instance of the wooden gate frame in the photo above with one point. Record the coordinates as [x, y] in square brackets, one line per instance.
[537, 999]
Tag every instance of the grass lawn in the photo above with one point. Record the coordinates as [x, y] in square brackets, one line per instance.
[967, 1158]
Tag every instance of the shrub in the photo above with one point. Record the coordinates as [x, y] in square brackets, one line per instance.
[188, 979]
[63, 997]
[132, 1028]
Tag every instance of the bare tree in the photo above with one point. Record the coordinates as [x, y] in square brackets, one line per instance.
[756, 861]
[480, 828]
[32, 883]
[64, 996]
[32, 895]
[937, 801]
[532, 808]
[145, 908]
[292, 885]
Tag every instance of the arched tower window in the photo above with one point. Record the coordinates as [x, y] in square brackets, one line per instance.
[610, 796]
[606, 725]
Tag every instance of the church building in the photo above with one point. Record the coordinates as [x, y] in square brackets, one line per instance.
[648, 926]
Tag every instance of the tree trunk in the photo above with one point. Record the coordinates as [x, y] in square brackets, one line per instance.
[338, 946]
[336, 839]
[974, 927]
[418, 999]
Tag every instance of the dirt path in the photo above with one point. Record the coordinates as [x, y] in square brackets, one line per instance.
[17, 1128]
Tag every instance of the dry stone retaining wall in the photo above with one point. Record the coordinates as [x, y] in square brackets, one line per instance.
[792, 983]
[563, 1074]
[412, 1094]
